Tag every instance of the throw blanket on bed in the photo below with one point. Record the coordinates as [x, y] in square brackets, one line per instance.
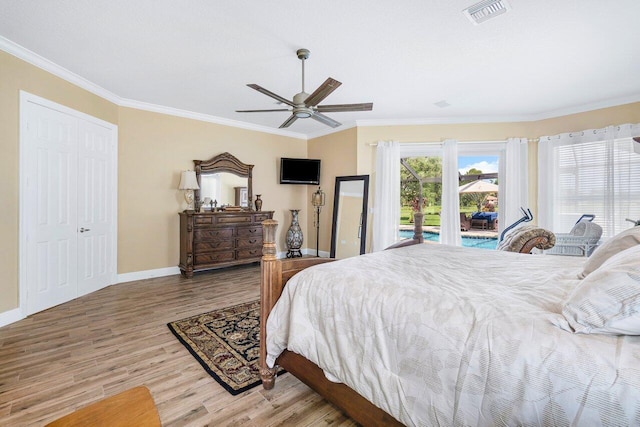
[439, 335]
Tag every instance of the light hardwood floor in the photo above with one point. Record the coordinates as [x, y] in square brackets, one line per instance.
[117, 338]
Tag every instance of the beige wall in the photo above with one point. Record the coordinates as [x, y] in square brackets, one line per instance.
[153, 150]
[338, 156]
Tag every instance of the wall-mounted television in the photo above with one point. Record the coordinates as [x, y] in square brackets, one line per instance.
[299, 171]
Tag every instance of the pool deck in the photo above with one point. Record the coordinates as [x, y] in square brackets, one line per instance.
[473, 233]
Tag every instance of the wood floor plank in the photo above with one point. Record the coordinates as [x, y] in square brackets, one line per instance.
[74, 354]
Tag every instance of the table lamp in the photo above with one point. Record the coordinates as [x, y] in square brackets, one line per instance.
[188, 182]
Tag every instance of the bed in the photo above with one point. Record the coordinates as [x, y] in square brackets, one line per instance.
[426, 334]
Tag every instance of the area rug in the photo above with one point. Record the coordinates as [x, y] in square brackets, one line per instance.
[226, 343]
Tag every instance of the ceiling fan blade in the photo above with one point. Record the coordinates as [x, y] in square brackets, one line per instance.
[322, 92]
[289, 121]
[326, 120]
[261, 111]
[345, 107]
[271, 94]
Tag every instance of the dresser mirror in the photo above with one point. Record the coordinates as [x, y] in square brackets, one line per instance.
[349, 231]
[224, 180]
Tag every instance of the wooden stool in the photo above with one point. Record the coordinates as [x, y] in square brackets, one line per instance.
[134, 407]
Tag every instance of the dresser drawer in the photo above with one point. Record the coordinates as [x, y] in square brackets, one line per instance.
[234, 219]
[206, 246]
[250, 253]
[249, 231]
[213, 257]
[203, 220]
[262, 217]
[212, 234]
[249, 242]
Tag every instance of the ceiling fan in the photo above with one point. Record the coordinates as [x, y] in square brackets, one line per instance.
[304, 105]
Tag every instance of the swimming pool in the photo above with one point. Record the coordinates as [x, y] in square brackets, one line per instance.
[469, 242]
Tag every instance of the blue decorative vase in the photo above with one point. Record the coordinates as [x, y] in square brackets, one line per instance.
[294, 236]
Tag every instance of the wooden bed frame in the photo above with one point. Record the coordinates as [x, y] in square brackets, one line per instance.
[274, 275]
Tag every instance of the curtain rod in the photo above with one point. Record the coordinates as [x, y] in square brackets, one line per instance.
[375, 144]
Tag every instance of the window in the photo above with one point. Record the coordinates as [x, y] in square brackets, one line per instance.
[591, 172]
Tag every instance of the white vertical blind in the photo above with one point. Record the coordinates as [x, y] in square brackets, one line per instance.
[591, 172]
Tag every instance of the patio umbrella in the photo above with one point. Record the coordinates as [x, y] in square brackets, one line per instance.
[478, 187]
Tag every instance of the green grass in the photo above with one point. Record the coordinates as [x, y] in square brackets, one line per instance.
[431, 214]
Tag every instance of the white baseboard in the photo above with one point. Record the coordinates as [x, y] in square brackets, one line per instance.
[170, 271]
[11, 316]
[147, 274]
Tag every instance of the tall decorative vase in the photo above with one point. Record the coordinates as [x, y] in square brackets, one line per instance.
[258, 202]
[294, 236]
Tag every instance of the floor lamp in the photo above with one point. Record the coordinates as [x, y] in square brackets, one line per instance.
[317, 200]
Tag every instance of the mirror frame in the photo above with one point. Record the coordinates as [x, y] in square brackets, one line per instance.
[224, 162]
[365, 205]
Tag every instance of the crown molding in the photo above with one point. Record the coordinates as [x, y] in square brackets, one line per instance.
[154, 108]
[53, 68]
[61, 72]
[49, 66]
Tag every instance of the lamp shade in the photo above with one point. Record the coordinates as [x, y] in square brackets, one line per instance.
[188, 181]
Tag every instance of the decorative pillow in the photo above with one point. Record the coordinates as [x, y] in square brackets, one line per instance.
[516, 239]
[608, 300]
[617, 243]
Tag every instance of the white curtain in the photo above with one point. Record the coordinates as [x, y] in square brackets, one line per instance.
[450, 213]
[591, 172]
[386, 208]
[514, 182]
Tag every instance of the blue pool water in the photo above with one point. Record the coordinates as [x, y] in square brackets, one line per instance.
[469, 242]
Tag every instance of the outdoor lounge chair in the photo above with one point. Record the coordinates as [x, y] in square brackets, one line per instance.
[465, 223]
[580, 241]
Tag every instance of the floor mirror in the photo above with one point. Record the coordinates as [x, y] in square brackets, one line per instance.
[349, 230]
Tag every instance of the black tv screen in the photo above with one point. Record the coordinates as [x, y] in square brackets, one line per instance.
[299, 171]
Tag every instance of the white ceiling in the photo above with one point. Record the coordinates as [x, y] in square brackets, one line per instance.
[541, 59]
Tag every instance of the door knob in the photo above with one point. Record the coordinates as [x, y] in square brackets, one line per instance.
[82, 230]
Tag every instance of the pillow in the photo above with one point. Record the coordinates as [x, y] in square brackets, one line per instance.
[617, 243]
[608, 300]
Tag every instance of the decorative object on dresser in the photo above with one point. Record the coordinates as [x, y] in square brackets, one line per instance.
[241, 197]
[317, 200]
[189, 183]
[221, 238]
[258, 202]
[294, 236]
[206, 203]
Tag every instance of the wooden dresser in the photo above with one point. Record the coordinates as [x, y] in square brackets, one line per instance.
[220, 239]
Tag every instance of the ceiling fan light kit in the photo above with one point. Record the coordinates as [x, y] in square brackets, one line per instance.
[304, 106]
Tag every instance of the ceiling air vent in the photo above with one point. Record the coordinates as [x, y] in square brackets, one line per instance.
[485, 10]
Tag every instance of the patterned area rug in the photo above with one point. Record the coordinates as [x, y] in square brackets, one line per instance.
[226, 343]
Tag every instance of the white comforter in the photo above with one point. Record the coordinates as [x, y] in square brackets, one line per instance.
[438, 335]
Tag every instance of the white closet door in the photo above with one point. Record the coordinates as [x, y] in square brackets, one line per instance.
[96, 195]
[51, 217]
[68, 167]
